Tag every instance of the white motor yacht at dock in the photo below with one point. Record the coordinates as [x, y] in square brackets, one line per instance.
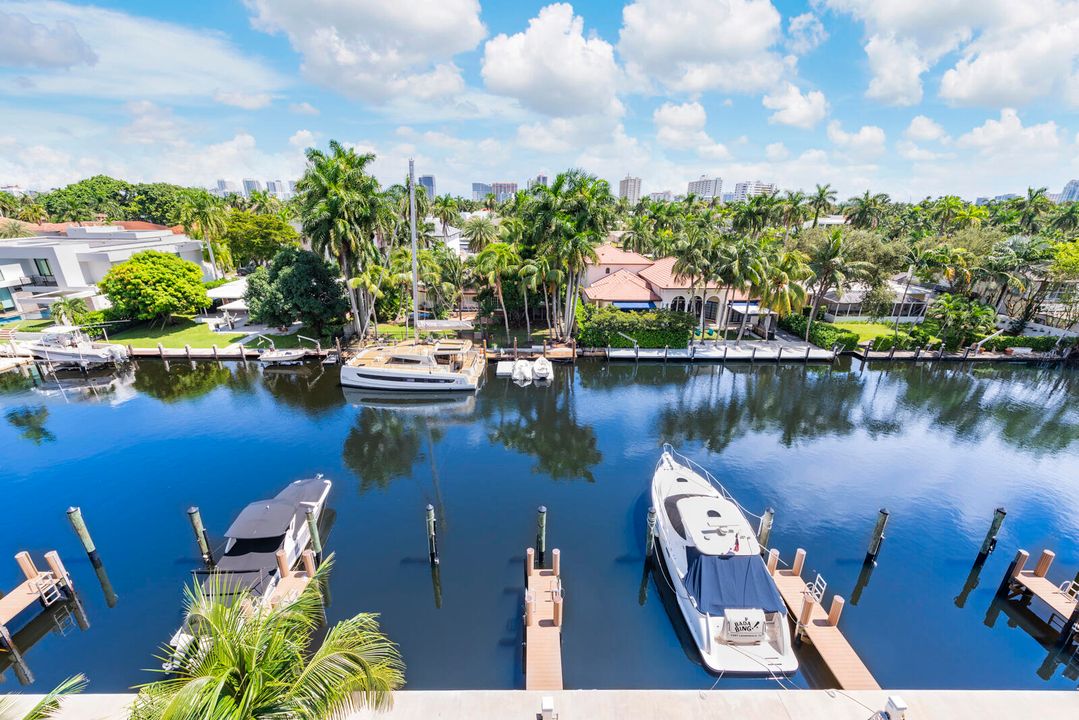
[729, 601]
[69, 345]
[416, 366]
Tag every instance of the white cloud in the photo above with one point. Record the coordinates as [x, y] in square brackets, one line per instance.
[25, 43]
[924, 129]
[866, 143]
[376, 50]
[140, 58]
[681, 127]
[1008, 137]
[909, 150]
[152, 125]
[302, 139]
[897, 67]
[552, 68]
[776, 151]
[247, 101]
[793, 108]
[805, 33]
[303, 108]
[699, 45]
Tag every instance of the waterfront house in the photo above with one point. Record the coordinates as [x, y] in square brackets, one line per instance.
[849, 307]
[630, 281]
[67, 261]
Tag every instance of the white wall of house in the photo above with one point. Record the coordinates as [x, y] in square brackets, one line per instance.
[598, 272]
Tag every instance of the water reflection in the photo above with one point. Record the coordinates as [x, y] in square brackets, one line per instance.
[172, 382]
[306, 387]
[61, 618]
[383, 445]
[31, 423]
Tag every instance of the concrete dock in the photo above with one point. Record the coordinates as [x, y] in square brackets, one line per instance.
[666, 704]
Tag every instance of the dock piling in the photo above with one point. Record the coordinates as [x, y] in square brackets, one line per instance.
[316, 541]
[1014, 568]
[201, 538]
[799, 561]
[878, 536]
[836, 610]
[187, 351]
[432, 540]
[541, 531]
[805, 360]
[161, 350]
[650, 538]
[764, 530]
[282, 564]
[990, 542]
[1044, 562]
[530, 562]
[806, 614]
[557, 599]
[74, 516]
[773, 561]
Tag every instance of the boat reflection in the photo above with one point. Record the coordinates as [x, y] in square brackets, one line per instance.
[420, 403]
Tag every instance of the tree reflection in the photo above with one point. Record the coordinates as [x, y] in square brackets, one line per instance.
[383, 445]
[305, 387]
[542, 422]
[179, 381]
[14, 381]
[31, 421]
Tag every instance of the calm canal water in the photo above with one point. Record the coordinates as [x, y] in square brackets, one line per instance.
[940, 447]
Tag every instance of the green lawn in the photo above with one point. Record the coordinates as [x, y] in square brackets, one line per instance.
[30, 325]
[867, 330]
[291, 341]
[183, 331]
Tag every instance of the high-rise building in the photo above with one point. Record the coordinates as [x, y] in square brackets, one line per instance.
[751, 188]
[480, 191]
[504, 190]
[662, 196]
[1070, 192]
[630, 189]
[251, 186]
[1055, 198]
[540, 179]
[427, 182]
[706, 188]
[224, 188]
[292, 186]
[277, 188]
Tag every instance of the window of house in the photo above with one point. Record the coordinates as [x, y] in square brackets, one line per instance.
[608, 271]
[7, 303]
[43, 267]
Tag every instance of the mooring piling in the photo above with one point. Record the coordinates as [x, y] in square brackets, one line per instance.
[432, 539]
[541, 531]
[878, 536]
[74, 516]
[990, 541]
[764, 530]
[201, 537]
[316, 540]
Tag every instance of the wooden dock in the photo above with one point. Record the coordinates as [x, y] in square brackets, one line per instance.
[543, 624]
[1062, 599]
[41, 587]
[292, 582]
[819, 628]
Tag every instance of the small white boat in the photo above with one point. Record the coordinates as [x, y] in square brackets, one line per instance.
[541, 369]
[729, 600]
[283, 356]
[69, 345]
[522, 372]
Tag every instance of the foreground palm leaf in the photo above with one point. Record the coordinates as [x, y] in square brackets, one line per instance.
[258, 663]
[48, 706]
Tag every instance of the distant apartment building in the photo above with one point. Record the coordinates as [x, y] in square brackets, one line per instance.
[661, 196]
[277, 188]
[728, 197]
[427, 182]
[1070, 192]
[629, 188]
[751, 188]
[480, 191]
[1005, 198]
[1055, 197]
[16, 190]
[706, 188]
[292, 186]
[225, 188]
[504, 190]
[540, 179]
[251, 185]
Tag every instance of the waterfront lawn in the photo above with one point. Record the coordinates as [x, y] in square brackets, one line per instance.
[868, 330]
[30, 325]
[183, 331]
[292, 340]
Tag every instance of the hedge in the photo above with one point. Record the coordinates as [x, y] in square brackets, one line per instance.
[600, 327]
[1037, 343]
[822, 334]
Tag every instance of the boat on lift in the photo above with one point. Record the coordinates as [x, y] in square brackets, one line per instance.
[70, 345]
[542, 369]
[280, 356]
[522, 372]
[729, 600]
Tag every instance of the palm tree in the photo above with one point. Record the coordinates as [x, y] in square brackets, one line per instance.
[832, 269]
[919, 262]
[640, 234]
[68, 310]
[783, 289]
[695, 259]
[47, 706]
[341, 209]
[259, 664]
[1031, 208]
[33, 212]
[1067, 220]
[446, 210]
[13, 229]
[822, 201]
[528, 278]
[480, 232]
[866, 211]
[9, 204]
[946, 210]
[794, 208]
[494, 263]
[261, 202]
[205, 218]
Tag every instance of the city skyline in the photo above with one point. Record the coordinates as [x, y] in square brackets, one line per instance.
[917, 100]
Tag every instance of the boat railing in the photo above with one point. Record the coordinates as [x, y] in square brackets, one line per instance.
[703, 472]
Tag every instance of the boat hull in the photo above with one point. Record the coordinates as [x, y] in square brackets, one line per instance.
[404, 381]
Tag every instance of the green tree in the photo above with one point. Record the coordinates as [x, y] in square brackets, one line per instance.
[13, 229]
[822, 201]
[446, 210]
[961, 318]
[9, 205]
[480, 232]
[86, 199]
[832, 269]
[257, 238]
[204, 217]
[159, 203]
[33, 212]
[783, 289]
[264, 664]
[298, 285]
[495, 263]
[1032, 208]
[867, 211]
[154, 285]
[68, 310]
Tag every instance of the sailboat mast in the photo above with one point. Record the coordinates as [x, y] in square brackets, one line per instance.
[415, 269]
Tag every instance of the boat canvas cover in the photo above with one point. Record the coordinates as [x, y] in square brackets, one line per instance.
[263, 519]
[736, 582]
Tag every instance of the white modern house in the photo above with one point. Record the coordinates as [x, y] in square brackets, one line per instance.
[37, 271]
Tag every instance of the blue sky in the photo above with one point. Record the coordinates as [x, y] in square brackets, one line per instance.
[909, 97]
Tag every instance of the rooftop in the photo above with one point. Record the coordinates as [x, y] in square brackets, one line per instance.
[608, 254]
[620, 286]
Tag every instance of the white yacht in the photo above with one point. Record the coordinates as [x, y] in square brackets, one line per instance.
[416, 366]
[68, 344]
[729, 600]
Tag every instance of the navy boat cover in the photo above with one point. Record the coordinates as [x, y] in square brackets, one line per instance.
[736, 582]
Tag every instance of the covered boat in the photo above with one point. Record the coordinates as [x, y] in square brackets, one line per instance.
[730, 602]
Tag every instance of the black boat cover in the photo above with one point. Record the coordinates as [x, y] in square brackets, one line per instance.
[262, 519]
[735, 582]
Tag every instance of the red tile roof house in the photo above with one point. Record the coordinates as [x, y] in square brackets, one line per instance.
[631, 281]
